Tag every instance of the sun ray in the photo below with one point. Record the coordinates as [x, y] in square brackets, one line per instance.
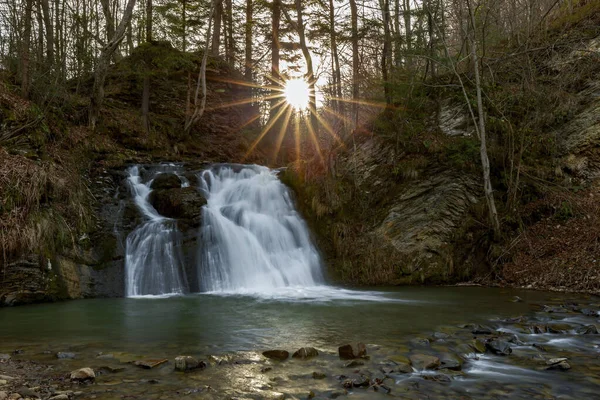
[297, 137]
[328, 128]
[315, 140]
[244, 101]
[337, 115]
[264, 132]
[282, 131]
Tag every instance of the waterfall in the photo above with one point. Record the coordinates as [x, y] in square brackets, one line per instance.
[253, 240]
[153, 256]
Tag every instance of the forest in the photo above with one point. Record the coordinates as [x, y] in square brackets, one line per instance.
[286, 199]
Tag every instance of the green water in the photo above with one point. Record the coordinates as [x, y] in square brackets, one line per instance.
[392, 322]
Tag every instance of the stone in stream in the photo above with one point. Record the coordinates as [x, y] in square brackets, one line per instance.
[516, 299]
[4, 357]
[559, 328]
[59, 397]
[438, 378]
[83, 374]
[587, 330]
[188, 363]
[354, 363]
[481, 330]
[356, 381]
[499, 347]
[424, 361]
[318, 375]
[27, 392]
[478, 345]
[305, 352]
[560, 366]
[61, 355]
[555, 309]
[279, 355]
[350, 352]
[451, 362]
[166, 181]
[3, 395]
[588, 312]
[149, 364]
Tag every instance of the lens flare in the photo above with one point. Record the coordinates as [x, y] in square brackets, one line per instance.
[296, 93]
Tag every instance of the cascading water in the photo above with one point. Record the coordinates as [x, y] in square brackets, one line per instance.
[153, 256]
[253, 240]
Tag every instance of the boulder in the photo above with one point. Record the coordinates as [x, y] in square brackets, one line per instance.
[481, 330]
[179, 203]
[499, 347]
[451, 362]
[424, 361]
[587, 330]
[560, 366]
[305, 352]
[64, 355]
[318, 375]
[83, 374]
[166, 181]
[188, 363]
[350, 352]
[279, 355]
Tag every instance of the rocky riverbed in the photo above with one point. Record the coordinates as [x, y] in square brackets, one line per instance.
[552, 351]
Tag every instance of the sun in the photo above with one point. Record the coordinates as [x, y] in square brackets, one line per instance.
[296, 93]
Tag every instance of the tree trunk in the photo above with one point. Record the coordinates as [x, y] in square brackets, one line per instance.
[216, 37]
[387, 47]
[275, 77]
[146, 89]
[337, 75]
[355, 61]
[49, 35]
[485, 162]
[248, 47]
[230, 49]
[97, 96]
[200, 106]
[110, 26]
[25, 50]
[408, 33]
[184, 25]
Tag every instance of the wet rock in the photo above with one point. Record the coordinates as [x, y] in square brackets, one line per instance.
[65, 355]
[166, 181]
[4, 357]
[3, 382]
[83, 374]
[14, 396]
[356, 381]
[451, 362]
[440, 335]
[3, 395]
[27, 392]
[382, 388]
[6, 377]
[18, 351]
[588, 312]
[59, 397]
[560, 366]
[305, 352]
[424, 361]
[482, 330]
[478, 345]
[559, 328]
[555, 309]
[107, 369]
[420, 342]
[266, 369]
[553, 361]
[188, 363]
[349, 352]
[279, 355]
[587, 330]
[105, 356]
[149, 364]
[539, 347]
[179, 203]
[438, 378]
[515, 320]
[516, 299]
[499, 347]
[537, 329]
[354, 363]
[318, 375]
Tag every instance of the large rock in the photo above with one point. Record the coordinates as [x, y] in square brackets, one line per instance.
[499, 347]
[179, 203]
[279, 355]
[83, 374]
[166, 181]
[305, 352]
[424, 361]
[188, 363]
[350, 352]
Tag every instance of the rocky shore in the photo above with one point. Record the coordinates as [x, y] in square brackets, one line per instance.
[551, 352]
